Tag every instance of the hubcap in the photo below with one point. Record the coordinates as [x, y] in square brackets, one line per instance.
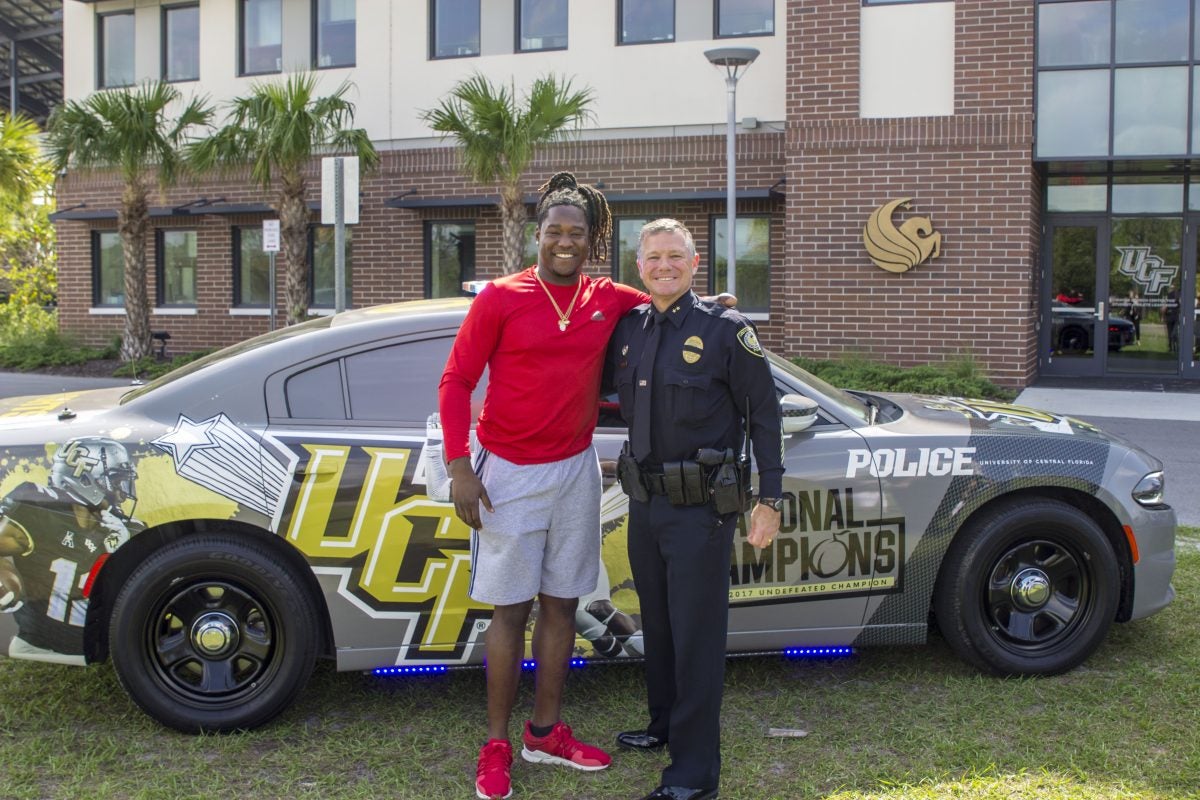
[214, 633]
[1031, 589]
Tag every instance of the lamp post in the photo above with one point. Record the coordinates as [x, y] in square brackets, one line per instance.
[734, 60]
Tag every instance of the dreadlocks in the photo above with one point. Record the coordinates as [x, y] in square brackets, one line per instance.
[563, 190]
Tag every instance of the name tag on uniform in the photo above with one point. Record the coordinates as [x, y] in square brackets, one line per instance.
[641, 383]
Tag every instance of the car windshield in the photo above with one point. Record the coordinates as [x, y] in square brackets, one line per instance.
[237, 349]
[847, 403]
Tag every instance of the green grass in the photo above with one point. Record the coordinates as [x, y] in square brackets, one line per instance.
[887, 723]
[962, 377]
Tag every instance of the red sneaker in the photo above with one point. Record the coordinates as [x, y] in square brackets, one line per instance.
[560, 747]
[492, 778]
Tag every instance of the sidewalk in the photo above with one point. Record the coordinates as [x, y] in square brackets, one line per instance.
[1181, 406]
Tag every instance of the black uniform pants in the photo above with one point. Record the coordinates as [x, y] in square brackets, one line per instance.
[680, 561]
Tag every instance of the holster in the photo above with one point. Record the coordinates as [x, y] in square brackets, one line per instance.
[630, 476]
[731, 487]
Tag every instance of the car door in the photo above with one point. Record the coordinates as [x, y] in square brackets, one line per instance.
[389, 553]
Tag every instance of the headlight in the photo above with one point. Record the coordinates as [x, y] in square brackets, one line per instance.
[1149, 491]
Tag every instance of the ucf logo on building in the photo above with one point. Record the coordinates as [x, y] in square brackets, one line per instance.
[900, 249]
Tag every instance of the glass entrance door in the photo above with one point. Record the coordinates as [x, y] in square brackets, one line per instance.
[1074, 297]
[1145, 326]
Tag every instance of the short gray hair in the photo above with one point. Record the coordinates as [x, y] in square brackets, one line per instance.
[666, 225]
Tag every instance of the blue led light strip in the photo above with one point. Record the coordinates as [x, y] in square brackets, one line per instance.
[433, 669]
[818, 652]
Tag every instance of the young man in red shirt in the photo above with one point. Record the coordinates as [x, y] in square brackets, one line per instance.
[542, 333]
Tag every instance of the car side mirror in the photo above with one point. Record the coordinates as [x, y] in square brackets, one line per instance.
[797, 412]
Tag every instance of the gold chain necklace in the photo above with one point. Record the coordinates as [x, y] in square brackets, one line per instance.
[564, 318]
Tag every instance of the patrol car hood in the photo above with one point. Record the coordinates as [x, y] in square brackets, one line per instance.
[987, 415]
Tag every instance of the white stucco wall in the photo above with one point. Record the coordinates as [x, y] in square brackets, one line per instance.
[656, 89]
[907, 60]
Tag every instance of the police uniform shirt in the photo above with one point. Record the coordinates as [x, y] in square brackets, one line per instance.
[55, 566]
[708, 363]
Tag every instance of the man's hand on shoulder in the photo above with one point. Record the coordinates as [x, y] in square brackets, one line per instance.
[724, 298]
[467, 492]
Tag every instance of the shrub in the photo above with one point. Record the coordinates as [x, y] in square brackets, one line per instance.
[29, 338]
[960, 377]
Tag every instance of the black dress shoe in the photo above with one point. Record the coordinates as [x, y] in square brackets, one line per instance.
[640, 740]
[681, 793]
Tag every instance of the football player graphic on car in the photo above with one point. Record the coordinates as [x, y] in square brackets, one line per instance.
[51, 539]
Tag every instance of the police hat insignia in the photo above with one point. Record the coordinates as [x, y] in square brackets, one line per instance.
[692, 348]
[749, 340]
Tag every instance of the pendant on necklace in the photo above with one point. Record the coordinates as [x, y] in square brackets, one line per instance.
[563, 323]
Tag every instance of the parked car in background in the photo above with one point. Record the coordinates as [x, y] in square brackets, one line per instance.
[217, 530]
[1071, 329]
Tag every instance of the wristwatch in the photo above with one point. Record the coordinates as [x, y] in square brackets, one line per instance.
[773, 503]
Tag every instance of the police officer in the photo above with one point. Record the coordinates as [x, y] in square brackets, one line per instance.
[687, 372]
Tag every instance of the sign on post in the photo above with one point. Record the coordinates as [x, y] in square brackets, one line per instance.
[270, 236]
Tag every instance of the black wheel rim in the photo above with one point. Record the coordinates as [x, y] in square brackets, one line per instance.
[1038, 594]
[212, 643]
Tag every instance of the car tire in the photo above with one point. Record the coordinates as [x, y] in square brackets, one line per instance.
[1028, 588]
[213, 633]
[1073, 340]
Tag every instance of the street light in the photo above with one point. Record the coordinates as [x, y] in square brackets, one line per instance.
[735, 60]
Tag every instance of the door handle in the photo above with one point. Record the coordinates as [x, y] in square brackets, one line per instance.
[1100, 310]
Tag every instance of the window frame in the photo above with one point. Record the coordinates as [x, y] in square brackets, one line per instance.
[100, 72]
[314, 28]
[162, 41]
[615, 246]
[620, 28]
[97, 233]
[241, 41]
[160, 267]
[713, 219]
[517, 31]
[312, 268]
[427, 255]
[717, 24]
[237, 301]
[432, 33]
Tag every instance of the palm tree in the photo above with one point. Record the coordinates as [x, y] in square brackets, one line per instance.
[499, 137]
[23, 171]
[129, 131]
[277, 129]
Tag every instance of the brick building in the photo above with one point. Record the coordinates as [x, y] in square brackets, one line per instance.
[1048, 145]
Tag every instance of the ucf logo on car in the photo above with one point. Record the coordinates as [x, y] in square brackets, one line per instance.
[357, 508]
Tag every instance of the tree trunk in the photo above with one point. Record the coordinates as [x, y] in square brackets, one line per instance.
[512, 224]
[133, 221]
[293, 233]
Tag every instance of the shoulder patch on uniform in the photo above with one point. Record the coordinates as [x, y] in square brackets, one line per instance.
[749, 340]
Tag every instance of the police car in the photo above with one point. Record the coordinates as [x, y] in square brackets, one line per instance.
[217, 530]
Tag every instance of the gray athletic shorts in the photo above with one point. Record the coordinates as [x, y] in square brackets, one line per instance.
[544, 535]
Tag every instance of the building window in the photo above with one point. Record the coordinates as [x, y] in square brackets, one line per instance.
[333, 33]
[321, 265]
[449, 257]
[176, 267]
[625, 242]
[251, 269]
[108, 269]
[541, 25]
[453, 28]
[1150, 111]
[1151, 30]
[752, 249]
[181, 43]
[1072, 116]
[530, 256]
[260, 24]
[745, 17]
[1072, 34]
[640, 21]
[115, 50]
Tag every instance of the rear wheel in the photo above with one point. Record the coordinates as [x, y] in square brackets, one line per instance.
[213, 633]
[1028, 589]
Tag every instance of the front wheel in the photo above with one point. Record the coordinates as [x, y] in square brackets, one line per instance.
[213, 633]
[1028, 589]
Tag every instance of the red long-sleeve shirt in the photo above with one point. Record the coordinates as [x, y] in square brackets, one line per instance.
[543, 383]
